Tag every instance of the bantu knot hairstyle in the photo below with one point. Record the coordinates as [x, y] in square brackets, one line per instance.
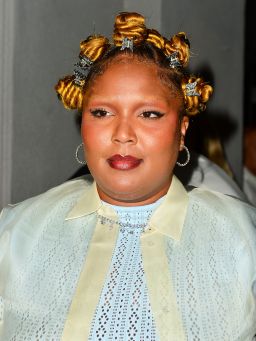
[69, 89]
[202, 92]
[131, 26]
[131, 36]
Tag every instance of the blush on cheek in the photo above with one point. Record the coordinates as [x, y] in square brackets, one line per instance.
[89, 133]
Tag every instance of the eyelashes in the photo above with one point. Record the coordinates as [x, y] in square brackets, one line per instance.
[100, 113]
[153, 115]
[150, 114]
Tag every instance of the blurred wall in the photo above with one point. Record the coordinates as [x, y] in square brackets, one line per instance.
[45, 135]
[7, 33]
[151, 9]
[216, 33]
[45, 46]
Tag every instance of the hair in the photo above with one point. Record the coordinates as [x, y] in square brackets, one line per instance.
[148, 46]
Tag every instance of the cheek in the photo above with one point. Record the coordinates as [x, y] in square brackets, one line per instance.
[93, 136]
[164, 137]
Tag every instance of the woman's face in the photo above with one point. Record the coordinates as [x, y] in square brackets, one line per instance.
[132, 133]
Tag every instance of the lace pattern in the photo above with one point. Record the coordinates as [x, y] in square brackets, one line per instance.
[212, 268]
[124, 311]
[205, 275]
[36, 305]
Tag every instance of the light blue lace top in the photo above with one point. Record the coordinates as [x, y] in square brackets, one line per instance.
[124, 311]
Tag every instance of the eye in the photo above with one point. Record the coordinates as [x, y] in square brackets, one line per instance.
[151, 114]
[100, 113]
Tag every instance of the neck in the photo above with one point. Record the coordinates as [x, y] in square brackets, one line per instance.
[119, 200]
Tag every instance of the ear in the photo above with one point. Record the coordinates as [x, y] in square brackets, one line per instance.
[183, 129]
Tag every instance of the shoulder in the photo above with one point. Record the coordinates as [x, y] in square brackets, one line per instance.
[58, 199]
[40, 219]
[229, 217]
[222, 203]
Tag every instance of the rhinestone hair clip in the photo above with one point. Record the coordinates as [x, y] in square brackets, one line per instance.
[191, 89]
[174, 61]
[82, 69]
[127, 43]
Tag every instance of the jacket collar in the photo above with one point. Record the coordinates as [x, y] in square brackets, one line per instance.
[88, 203]
[168, 218]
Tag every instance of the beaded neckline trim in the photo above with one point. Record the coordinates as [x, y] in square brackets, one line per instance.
[123, 226]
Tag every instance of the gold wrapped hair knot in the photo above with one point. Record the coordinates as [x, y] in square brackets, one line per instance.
[196, 93]
[70, 88]
[69, 93]
[155, 38]
[183, 38]
[94, 47]
[130, 26]
[179, 44]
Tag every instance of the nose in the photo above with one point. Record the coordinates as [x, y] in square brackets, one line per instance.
[124, 132]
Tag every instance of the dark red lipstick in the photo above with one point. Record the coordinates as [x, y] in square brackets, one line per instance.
[126, 162]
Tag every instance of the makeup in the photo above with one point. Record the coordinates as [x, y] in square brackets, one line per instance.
[126, 162]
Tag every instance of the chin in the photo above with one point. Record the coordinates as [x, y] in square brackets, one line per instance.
[122, 188]
[129, 198]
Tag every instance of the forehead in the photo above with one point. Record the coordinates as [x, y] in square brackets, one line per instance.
[129, 75]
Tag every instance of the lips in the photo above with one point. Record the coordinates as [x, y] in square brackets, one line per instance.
[126, 162]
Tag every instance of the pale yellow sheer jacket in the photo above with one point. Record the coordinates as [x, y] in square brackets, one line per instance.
[199, 257]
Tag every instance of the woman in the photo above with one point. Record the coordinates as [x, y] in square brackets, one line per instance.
[131, 255]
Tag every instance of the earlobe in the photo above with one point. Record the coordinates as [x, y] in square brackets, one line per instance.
[184, 125]
[183, 129]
